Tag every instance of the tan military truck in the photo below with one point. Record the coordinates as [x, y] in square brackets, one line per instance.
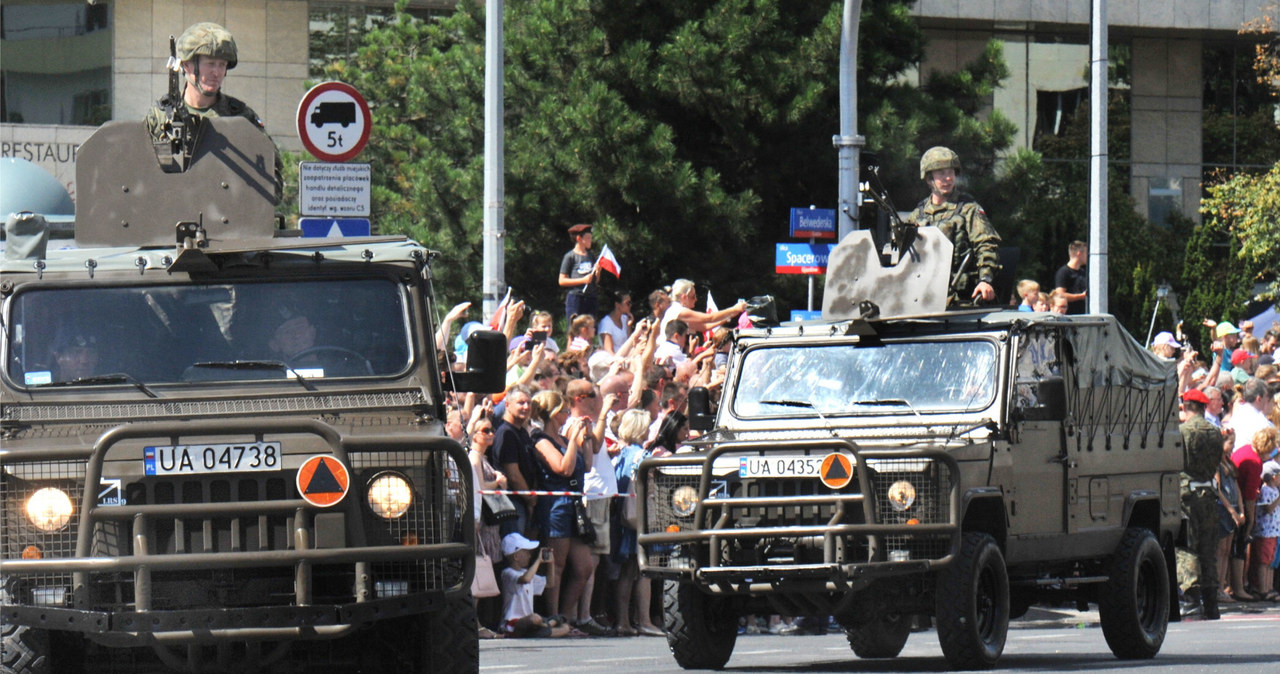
[889, 469]
[223, 446]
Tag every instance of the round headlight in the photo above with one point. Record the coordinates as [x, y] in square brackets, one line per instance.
[901, 495]
[684, 500]
[389, 495]
[49, 509]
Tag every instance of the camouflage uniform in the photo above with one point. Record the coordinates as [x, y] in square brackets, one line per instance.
[965, 223]
[1202, 443]
[224, 106]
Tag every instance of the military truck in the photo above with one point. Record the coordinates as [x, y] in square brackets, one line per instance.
[223, 446]
[893, 469]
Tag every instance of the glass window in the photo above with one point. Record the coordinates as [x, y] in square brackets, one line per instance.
[337, 28]
[208, 332]
[56, 65]
[851, 379]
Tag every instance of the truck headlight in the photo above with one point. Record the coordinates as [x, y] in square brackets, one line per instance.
[901, 495]
[389, 495]
[49, 509]
[684, 500]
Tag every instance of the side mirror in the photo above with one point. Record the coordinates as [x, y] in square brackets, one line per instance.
[486, 363]
[701, 417]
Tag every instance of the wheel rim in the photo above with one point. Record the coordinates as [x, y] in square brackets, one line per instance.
[987, 608]
[1146, 601]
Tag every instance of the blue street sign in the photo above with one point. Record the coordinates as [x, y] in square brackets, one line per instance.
[813, 223]
[802, 315]
[802, 258]
[334, 228]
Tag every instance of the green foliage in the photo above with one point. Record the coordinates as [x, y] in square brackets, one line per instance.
[683, 131]
[1247, 208]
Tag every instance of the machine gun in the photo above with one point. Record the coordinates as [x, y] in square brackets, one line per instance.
[177, 134]
[901, 234]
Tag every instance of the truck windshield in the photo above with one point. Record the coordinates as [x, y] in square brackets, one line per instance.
[159, 334]
[851, 379]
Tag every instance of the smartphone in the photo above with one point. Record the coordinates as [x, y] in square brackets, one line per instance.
[538, 336]
[546, 554]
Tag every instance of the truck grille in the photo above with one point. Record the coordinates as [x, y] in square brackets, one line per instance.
[436, 517]
[751, 518]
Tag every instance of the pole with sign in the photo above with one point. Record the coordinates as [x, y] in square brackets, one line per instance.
[812, 223]
[334, 124]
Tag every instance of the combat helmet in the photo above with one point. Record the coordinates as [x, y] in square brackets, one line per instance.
[207, 39]
[938, 158]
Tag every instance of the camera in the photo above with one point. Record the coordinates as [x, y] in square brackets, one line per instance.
[546, 554]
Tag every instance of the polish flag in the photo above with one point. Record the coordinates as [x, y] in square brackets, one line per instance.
[499, 318]
[711, 309]
[608, 262]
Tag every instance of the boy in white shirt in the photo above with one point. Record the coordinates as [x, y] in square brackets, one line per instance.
[520, 582]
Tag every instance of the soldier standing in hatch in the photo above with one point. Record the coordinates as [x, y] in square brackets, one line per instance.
[1202, 443]
[976, 256]
[205, 53]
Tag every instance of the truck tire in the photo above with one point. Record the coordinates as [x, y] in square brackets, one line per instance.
[972, 604]
[453, 640]
[23, 650]
[1134, 602]
[701, 629]
[881, 637]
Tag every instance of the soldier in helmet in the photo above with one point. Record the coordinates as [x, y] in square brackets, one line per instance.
[205, 53]
[975, 259]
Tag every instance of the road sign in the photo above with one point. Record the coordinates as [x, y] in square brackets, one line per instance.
[333, 121]
[334, 228]
[802, 258]
[813, 223]
[335, 190]
[798, 315]
[323, 481]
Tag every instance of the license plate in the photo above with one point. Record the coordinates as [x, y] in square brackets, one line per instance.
[218, 458]
[779, 466]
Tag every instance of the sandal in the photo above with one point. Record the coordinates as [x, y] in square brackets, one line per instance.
[1224, 598]
[1271, 596]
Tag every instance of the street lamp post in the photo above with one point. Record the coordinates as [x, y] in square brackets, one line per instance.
[494, 190]
[848, 143]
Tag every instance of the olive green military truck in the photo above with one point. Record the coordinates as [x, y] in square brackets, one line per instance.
[890, 470]
[222, 445]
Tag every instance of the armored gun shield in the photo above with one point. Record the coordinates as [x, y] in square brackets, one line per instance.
[126, 198]
[917, 284]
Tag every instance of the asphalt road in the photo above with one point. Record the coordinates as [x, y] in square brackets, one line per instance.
[1245, 640]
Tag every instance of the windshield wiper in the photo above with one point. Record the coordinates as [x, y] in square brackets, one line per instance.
[275, 365]
[807, 404]
[889, 402]
[94, 380]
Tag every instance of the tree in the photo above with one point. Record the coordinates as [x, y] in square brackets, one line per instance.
[683, 131]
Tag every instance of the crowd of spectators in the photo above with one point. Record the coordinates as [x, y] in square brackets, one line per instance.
[1241, 397]
[562, 443]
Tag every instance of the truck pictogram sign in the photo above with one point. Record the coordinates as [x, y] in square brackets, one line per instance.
[333, 122]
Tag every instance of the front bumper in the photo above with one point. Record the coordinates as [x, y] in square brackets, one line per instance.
[235, 556]
[753, 535]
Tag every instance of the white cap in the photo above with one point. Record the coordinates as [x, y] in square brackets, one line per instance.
[513, 542]
[1166, 338]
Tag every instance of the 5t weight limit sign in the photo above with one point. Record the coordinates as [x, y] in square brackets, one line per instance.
[333, 121]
